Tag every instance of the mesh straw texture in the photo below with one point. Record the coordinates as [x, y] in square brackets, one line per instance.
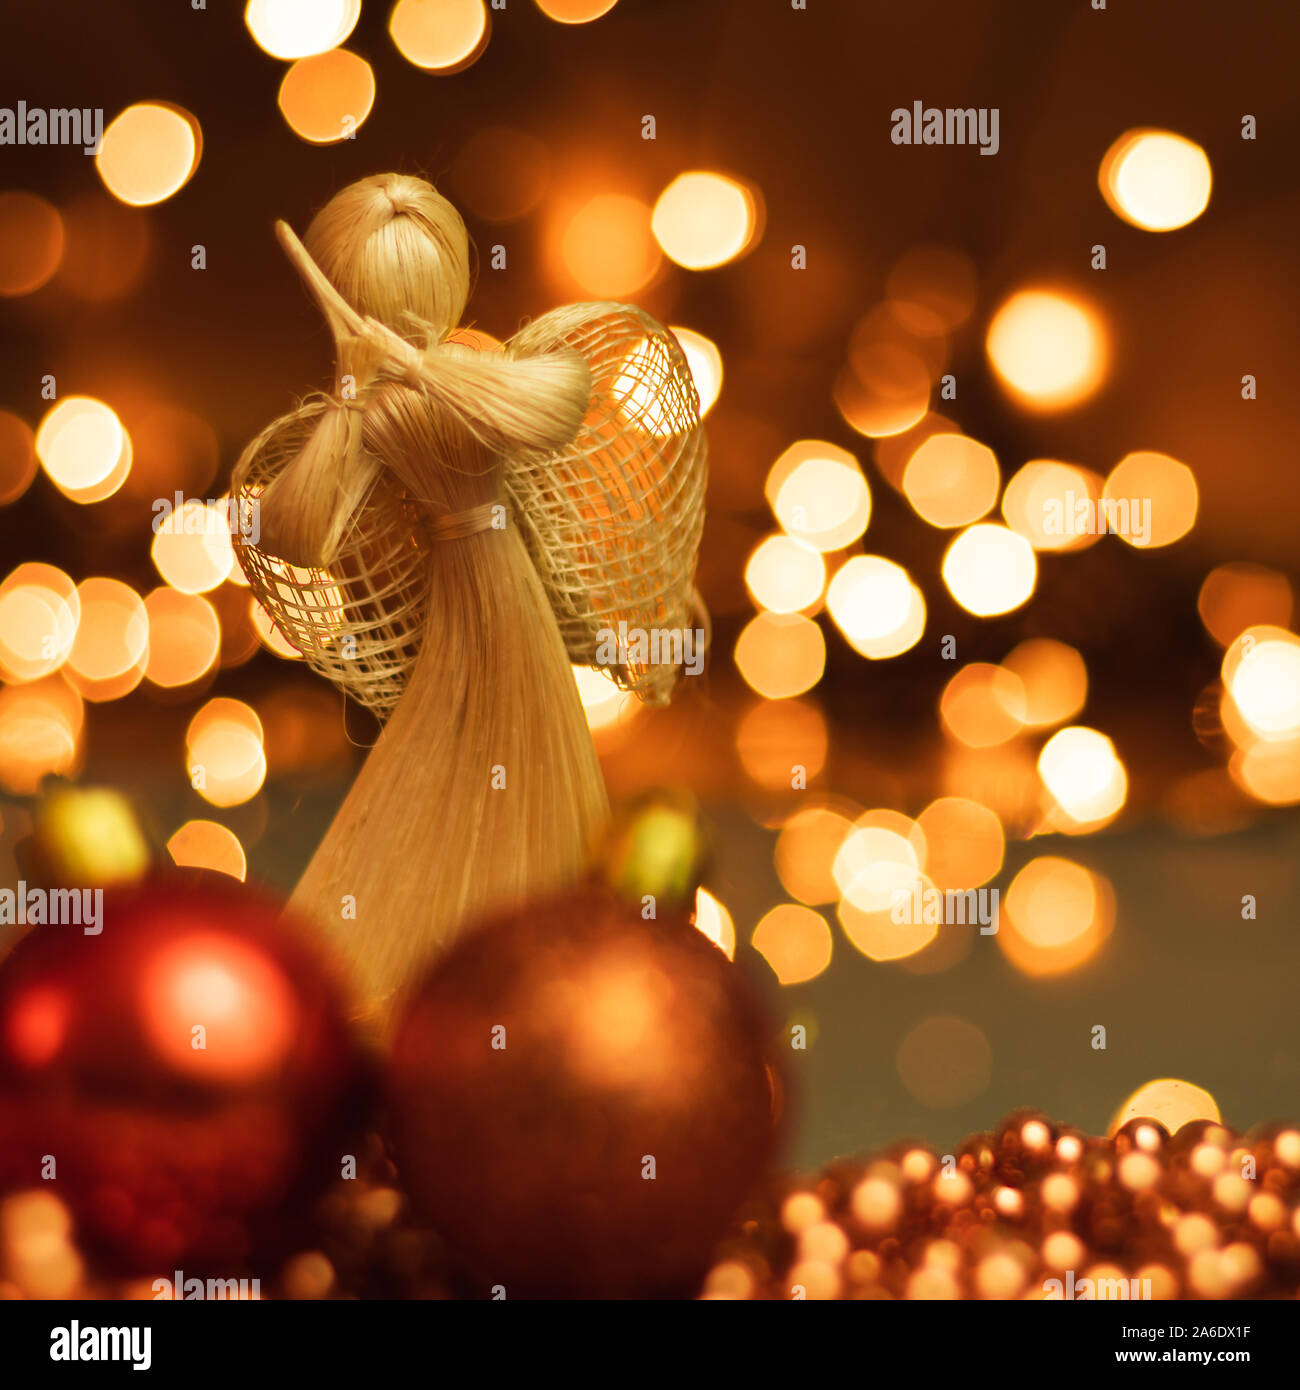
[612, 521]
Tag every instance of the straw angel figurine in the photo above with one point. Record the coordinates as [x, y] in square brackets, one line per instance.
[442, 537]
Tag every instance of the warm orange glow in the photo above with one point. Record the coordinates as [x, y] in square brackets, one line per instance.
[705, 362]
[184, 637]
[604, 704]
[242, 1000]
[1084, 775]
[1261, 671]
[1048, 349]
[291, 29]
[83, 448]
[780, 742]
[945, 1062]
[931, 289]
[1236, 596]
[40, 610]
[1171, 1103]
[795, 941]
[607, 246]
[818, 494]
[327, 98]
[575, 11]
[781, 654]
[1054, 678]
[1155, 179]
[40, 733]
[805, 853]
[893, 401]
[990, 570]
[952, 480]
[714, 921]
[31, 242]
[17, 457]
[269, 635]
[964, 843]
[785, 575]
[149, 152]
[869, 918]
[876, 606]
[1054, 505]
[111, 648]
[225, 758]
[1055, 916]
[1270, 772]
[439, 35]
[192, 549]
[1151, 499]
[204, 844]
[703, 220]
[983, 705]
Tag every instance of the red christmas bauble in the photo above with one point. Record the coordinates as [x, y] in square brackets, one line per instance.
[581, 1099]
[178, 1077]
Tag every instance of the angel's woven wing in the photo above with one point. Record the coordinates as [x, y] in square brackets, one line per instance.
[613, 520]
[359, 622]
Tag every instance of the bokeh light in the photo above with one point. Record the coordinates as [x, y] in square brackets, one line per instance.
[990, 570]
[40, 733]
[1261, 671]
[818, 494]
[714, 921]
[983, 705]
[607, 246]
[31, 242]
[705, 362]
[1055, 916]
[1053, 677]
[1083, 773]
[17, 457]
[204, 844]
[1155, 179]
[149, 152]
[192, 548]
[184, 637]
[604, 704]
[327, 98]
[795, 941]
[952, 480]
[291, 29]
[1168, 1101]
[575, 11]
[781, 654]
[40, 610]
[964, 843]
[805, 853]
[225, 758]
[83, 448]
[1048, 349]
[111, 648]
[440, 35]
[1152, 499]
[1054, 505]
[785, 575]
[781, 742]
[877, 607]
[703, 220]
[1237, 596]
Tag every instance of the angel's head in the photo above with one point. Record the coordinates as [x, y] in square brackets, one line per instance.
[397, 251]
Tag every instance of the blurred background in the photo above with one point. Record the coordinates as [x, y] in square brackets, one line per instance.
[911, 357]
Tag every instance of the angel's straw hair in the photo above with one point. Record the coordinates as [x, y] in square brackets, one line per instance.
[483, 790]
